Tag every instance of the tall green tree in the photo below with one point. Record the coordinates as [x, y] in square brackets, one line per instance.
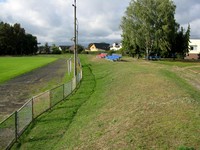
[80, 48]
[46, 48]
[30, 45]
[149, 25]
[180, 46]
[6, 39]
[15, 41]
[19, 37]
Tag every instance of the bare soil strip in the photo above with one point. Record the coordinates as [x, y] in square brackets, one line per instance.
[14, 93]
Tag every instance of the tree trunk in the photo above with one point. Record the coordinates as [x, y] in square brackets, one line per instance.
[147, 53]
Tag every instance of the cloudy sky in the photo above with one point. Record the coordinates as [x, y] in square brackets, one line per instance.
[52, 20]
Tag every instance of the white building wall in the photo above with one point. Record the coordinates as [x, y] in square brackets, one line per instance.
[194, 46]
[116, 46]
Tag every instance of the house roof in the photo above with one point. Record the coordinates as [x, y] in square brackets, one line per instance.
[104, 46]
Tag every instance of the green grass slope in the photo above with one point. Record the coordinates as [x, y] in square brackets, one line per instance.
[11, 67]
[121, 105]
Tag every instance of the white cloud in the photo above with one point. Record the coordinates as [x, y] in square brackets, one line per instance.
[99, 20]
[46, 19]
[187, 12]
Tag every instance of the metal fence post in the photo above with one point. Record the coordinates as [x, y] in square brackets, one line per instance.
[23, 117]
[16, 126]
[63, 91]
[50, 103]
[71, 85]
[68, 64]
[32, 108]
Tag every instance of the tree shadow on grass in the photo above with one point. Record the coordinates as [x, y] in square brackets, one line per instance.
[49, 128]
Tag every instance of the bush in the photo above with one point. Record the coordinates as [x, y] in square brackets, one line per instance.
[84, 52]
[122, 51]
[56, 52]
[94, 52]
[110, 52]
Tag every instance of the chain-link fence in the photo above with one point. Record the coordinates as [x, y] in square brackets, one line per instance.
[7, 131]
[12, 127]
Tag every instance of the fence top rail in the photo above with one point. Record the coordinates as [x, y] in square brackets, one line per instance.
[68, 82]
[57, 87]
[24, 105]
[7, 118]
[13, 117]
[41, 94]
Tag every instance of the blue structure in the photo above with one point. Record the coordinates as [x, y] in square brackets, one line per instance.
[114, 57]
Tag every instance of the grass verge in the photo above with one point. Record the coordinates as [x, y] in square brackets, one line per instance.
[123, 105]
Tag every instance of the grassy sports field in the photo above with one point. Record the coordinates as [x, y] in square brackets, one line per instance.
[132, 104]
[40, 73]
[11, 67]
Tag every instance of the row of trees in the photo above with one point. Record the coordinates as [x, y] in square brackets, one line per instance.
[149, 26]
[15, 41]
[46, 49]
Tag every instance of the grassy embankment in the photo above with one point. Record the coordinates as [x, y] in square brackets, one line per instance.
[11, 67]
[123, 105]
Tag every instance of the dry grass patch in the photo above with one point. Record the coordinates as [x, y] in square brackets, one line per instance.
[131, 105]
[144, 110]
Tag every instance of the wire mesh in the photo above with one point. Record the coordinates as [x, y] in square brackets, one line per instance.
[67, 89]
[7, 131]
[12, 127]
[79, 77]
[73, 84]
[24, 116]
[41, 103]
[56, 95]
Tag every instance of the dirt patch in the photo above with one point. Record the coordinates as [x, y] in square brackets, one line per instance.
[17, 91]
[190, 74]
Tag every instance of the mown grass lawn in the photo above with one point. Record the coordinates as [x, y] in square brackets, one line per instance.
[132, 104]
[11, 67]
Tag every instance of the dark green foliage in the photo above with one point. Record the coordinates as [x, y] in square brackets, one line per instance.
[181, 43]
[55, 49]
[46, 48]
[93, 52]
[15, 41]
[80, 48]
[64, 49]
[149, 26]
[121, 51]
[84, 52]
[110, 52]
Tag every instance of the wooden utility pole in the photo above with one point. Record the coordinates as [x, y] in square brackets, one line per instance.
[75, 41]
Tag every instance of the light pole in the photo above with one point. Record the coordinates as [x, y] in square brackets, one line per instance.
[78, 60]
[77, 23]
[75, 41]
